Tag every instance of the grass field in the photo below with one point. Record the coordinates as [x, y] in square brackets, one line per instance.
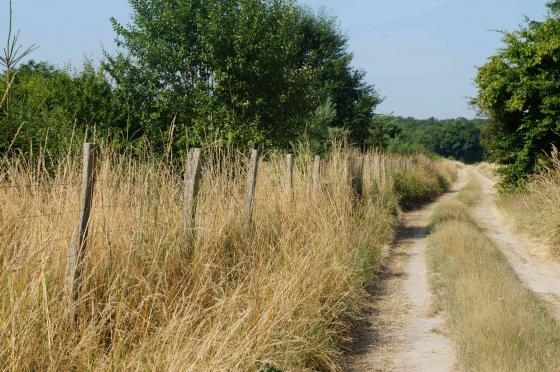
[281, 293]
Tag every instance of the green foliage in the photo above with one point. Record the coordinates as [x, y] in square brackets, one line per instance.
[251, 72]
[452, 138]
[195, 72]
[519, 91]
[319, 127]
[49, 107]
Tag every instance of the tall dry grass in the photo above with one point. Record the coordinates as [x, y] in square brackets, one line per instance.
[536, 208]
[281, 293]
[496, 323]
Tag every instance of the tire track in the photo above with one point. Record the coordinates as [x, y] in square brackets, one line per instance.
[403, 331]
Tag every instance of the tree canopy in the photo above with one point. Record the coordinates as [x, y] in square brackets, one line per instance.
[519, 92]
[50, 107]
[241, 71]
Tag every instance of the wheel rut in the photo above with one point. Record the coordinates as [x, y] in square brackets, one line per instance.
[402, 330]
[536, 269]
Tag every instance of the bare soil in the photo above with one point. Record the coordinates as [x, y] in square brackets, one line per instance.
[530, 258]
[402, 330]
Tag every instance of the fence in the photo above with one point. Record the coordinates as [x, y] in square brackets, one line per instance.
[78, 241]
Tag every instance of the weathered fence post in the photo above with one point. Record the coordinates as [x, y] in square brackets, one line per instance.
[77, 247]
[317, 173]
[367, 170]
[357, 172]
[251, 183]
[289, 175]
[192, 183]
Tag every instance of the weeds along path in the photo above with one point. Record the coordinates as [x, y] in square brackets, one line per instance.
[537, 271]
[403, 332]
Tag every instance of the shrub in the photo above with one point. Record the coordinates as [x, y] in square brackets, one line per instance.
[414, 187]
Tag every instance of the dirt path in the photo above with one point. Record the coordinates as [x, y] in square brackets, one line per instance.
[403, 332]
[528, 257]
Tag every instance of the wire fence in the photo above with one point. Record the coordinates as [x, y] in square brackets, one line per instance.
[41, 247]
[97, 208]
[95, 231]
[49, 184]
[88, 228]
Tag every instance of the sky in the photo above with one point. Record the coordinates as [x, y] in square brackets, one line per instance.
[421, 56]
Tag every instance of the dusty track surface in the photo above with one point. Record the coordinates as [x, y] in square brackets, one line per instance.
[528, 257]
[403, 332]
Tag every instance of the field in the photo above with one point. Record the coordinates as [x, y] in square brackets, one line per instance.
[249, 199]
[280, 292]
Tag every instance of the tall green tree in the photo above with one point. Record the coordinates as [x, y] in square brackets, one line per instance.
[519, 92]
[236, 71]
[459, 139]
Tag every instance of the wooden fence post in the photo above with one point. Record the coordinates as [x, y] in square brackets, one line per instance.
[192, 183]
[77, 247]
[357, 172]
[366, 170]
[289, 175]
[317, 173]
[251, 183]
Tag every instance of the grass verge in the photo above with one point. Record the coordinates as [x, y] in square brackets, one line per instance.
[535, 209]
[496, 323]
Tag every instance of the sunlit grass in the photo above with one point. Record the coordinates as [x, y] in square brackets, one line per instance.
[279, 293]
[496, 323]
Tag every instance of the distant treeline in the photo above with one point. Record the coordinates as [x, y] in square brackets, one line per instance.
[458, 139]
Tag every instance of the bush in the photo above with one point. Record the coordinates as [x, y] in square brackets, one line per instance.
[414, 187]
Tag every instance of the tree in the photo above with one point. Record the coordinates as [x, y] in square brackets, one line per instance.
[13, 53]
[459, 139]
[248, 72]
[519, 92]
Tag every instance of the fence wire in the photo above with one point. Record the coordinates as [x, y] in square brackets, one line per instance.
[94, 210]
[99, 232]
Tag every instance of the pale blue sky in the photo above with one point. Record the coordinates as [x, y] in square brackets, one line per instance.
[421, 55]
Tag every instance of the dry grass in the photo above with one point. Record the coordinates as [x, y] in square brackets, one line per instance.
[471, 193]
[454, 209]
[536, 209]
[496, 323]
[488, 170]
[281, 293]
[415, 186]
